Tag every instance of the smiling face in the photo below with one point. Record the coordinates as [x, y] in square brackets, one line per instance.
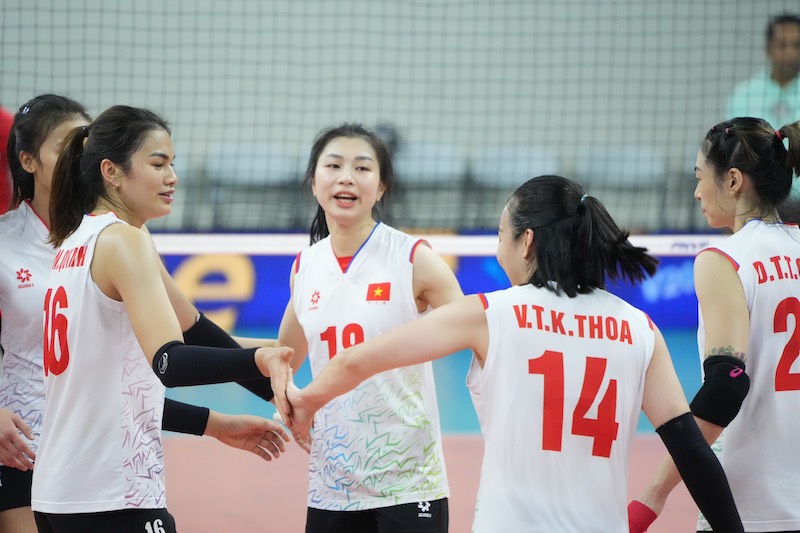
[718, 207]
[147, 187]
[347, 181]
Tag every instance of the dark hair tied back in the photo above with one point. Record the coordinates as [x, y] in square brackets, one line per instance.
[574, 254]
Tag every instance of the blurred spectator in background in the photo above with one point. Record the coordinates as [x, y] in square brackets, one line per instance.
[6, 119]
[773, 94]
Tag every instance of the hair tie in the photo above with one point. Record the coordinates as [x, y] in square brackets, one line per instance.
[85, 131]
[25, 110]
[778, 133]
[726, 130]
[583, 198]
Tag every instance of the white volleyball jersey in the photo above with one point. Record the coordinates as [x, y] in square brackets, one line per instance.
[100, 448]
[558, 401]
[24, 268]
[759, 449]
[378, 445]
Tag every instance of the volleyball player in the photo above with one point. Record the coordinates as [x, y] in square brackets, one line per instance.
[100, 460]
[376, 461]
[24, 268]
[749, 329]
[560, 372]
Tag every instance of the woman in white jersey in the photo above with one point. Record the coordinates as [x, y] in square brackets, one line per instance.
[376, 463]
[749, 298]
[560, 373]
[36, 136]
[108, 318]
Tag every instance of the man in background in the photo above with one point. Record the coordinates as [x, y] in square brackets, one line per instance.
[773, 94]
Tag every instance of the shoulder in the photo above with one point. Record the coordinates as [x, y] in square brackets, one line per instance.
[307, 256]
[10, 222]
[124, 243]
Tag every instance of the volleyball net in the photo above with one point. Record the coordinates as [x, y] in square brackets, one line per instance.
[473, 96]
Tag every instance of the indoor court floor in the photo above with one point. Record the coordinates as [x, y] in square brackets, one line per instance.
[212, 488]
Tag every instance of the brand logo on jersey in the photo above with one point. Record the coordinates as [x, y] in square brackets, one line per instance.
[424, 510]
[314, 301]
[24, 276]
[163, 363]
[379, 292]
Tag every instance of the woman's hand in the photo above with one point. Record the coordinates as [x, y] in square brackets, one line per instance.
[14, 451]
[254, 434]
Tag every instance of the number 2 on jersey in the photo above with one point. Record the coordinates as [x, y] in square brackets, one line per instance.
[785, 379]
[603, 428]
[55, 325]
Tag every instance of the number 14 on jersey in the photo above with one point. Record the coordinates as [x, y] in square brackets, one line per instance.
[602, 429]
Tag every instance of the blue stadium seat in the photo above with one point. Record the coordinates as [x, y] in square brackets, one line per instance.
[430, 186]
[254, 186]
[497, 172]
[630, 180]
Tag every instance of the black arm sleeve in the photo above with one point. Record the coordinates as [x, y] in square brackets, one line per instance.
[184, 418]
[702, 473]
[179, 365]
[204, 332]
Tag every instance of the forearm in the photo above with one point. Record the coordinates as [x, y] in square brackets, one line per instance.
[339, 376]
[667, 476]
[702, 472]
[204, 332]
[664, 481]
[184, 418]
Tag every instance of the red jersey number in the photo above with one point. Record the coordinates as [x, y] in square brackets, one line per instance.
[55, 326]
[603, 429]
[352, 334]
[785, 379]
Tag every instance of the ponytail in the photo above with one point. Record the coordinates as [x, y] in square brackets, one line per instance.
[577, 245]
[604, 250]
[73, 191]
[790, 133]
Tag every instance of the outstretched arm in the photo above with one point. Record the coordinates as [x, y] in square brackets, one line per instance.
[127, 268]
[290, 334]
[254, 434]
[456, 326]
[257, 435]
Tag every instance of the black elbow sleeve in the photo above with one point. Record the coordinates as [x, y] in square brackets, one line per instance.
[204, 332]
[184, 418]
[179, 365]
[724, 388]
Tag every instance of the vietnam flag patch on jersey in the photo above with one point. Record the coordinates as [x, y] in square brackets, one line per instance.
[379, 292]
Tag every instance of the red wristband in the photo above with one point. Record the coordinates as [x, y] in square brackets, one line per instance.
[640, 517]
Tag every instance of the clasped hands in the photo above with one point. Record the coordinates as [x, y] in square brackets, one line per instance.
[295, 409]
